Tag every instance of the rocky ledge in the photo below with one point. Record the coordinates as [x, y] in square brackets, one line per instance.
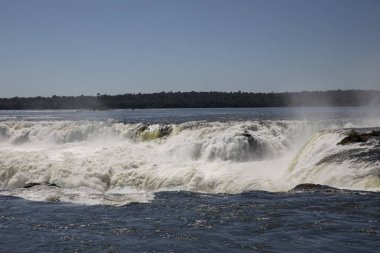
[30, 185]
[315, 188]
[355, 137]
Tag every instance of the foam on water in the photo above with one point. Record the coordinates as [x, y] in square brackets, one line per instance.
[322, 161]
[114, 163]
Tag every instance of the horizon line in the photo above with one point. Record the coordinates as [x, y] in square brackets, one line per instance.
[210, 91]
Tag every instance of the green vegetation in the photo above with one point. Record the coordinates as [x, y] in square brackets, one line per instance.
[193, 99]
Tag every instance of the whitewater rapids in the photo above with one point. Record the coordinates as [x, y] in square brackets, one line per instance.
[106, 162]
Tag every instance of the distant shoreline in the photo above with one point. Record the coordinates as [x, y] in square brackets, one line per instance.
[171, 100]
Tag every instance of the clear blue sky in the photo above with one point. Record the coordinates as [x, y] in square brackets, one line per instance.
[73, 47]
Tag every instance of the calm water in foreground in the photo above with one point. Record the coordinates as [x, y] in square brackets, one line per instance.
[192, 222]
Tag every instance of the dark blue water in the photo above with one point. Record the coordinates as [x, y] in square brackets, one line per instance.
[209, 114]
[191, 222]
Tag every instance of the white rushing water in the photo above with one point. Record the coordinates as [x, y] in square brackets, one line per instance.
[97, 162]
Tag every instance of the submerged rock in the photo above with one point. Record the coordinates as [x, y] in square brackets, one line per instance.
[253, 148]
[165, 130]
[155, 132]
[247, 135]
[355, 137]
[314, 188]
[30, 185]
[253, 144]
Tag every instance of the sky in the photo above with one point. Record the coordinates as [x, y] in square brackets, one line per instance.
[75, 47]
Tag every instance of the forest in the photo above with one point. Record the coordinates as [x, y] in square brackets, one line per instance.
[211, 99]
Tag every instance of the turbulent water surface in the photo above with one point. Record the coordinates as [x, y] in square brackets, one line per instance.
[189, 180]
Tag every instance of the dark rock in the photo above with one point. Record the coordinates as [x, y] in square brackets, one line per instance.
[145, 134]
[165, 130]
[247, 135]
[142, 128]
[30, 185]
[53, 185]
[252, 142]
[314, 188]
[355, 137]
[252, 149]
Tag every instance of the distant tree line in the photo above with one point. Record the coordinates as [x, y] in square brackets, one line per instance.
[197, 100]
